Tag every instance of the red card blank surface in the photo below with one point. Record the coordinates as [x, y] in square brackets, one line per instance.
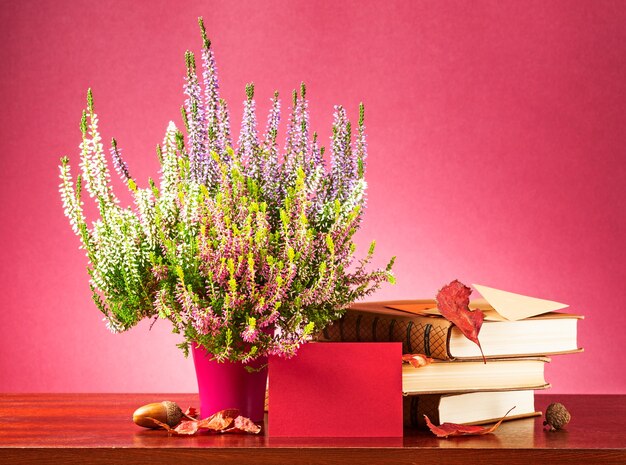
[337, 390]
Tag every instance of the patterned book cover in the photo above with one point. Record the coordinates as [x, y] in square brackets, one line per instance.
[418, 334]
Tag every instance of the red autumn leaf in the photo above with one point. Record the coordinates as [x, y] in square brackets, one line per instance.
[243, 425]
[452, 429]
[191, 413]
[417, 360]
[453, 303]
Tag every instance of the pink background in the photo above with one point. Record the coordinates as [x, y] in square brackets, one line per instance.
[497, 155]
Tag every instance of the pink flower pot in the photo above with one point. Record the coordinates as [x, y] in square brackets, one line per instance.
[229, 385]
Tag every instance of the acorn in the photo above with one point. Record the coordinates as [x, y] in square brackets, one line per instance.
[557, 416]
[166, 412]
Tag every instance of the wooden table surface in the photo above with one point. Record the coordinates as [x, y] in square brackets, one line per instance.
[75, 428]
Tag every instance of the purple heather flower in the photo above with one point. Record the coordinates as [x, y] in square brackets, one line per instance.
[250, 334]
[248, 139]
[271, 173]
[203, 320]
[303, 129]
[317, 156]
[202, 169]
[343, 166]
[291, 141]
[159, 272]
[160, 303]
[223, 129]
[297, 140]
[211, 86]
[271, 131]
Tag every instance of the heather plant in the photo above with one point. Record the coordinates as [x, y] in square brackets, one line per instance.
[247, 251]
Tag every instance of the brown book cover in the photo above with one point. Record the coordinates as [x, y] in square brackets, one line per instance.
[371, 323]
[427, 333]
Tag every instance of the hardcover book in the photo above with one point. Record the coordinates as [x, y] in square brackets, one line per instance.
[471, 408]
[463, 376]
[421, 329]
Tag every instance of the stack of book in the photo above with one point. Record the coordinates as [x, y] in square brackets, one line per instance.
[517, 336]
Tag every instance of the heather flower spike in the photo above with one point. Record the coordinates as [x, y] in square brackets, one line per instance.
[118, 163]
[343, 164]
[248, 141]
[361, 144]
[247, 251]
[303, 122]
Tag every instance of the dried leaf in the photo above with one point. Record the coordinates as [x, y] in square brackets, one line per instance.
[452, 429]
[243, 425]
[161, 424]
[187, 427]
[417, 360]
[224, 421]
[453, 303]
[220, 420]
[191, 413]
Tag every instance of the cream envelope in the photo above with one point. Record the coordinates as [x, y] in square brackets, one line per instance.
[496, 304]
[516, 306]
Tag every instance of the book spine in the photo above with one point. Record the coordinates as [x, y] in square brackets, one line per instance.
[423, 335]
[415, 407]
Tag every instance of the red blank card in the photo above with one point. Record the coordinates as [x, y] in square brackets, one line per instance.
[337, 390]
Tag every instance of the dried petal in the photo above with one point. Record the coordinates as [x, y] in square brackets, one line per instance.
[243, 425]
[220, 420]
[452, 429]
[225, 421]
[417, 360]
[191, 413]
[453, 304]
[187, 427]
[161, 424]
